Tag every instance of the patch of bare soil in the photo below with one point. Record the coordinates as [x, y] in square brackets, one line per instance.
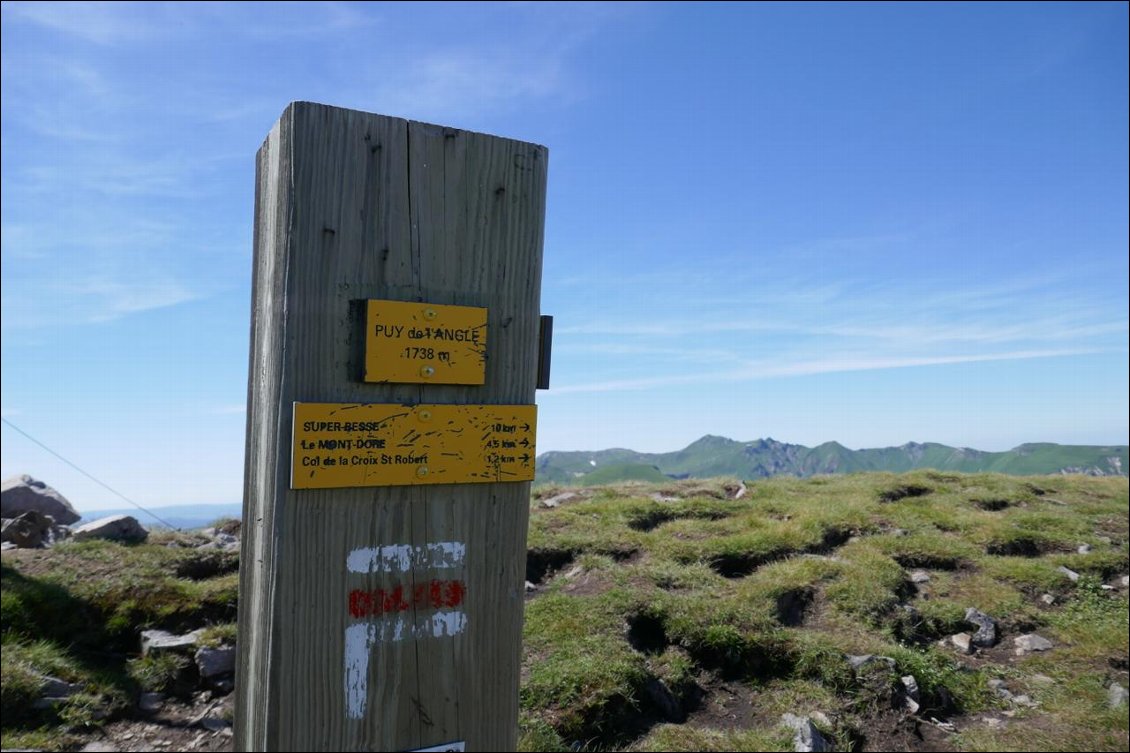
[201, 725]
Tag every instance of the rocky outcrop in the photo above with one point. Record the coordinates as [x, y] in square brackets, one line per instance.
[31, 530]
[124, 528]
[21, 494]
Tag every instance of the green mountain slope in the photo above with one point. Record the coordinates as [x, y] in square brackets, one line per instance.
[713, 456]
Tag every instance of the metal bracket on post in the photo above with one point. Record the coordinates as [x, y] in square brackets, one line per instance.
[545, 350]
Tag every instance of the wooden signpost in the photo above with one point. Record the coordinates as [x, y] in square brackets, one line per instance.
[390, 434]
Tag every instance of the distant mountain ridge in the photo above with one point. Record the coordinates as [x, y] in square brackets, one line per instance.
[713, 456]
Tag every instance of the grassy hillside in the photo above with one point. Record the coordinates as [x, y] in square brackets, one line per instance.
[675, 617]
[713, 456]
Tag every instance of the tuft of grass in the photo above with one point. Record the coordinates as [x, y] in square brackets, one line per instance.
[682, 737]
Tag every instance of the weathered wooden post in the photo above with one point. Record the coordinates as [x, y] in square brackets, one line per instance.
[390, 430]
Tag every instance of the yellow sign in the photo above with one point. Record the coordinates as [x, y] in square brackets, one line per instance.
[425, 343]
[338, 445]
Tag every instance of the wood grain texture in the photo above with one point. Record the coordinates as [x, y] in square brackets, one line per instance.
[352, 206]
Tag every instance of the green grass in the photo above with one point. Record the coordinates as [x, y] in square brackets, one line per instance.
[770, 593]
[659, 601]
[76, 611]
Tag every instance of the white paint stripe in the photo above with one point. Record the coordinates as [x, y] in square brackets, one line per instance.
[400, 558]
[360, 638]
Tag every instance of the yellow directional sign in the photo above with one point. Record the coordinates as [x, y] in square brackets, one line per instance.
[425, 343]
[338, 445]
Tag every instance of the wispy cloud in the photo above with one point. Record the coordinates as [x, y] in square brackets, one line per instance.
[790, 368]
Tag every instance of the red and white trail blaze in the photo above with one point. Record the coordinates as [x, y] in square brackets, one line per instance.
[402, 611]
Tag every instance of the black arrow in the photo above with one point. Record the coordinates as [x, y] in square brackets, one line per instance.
[524, 457]
[525, 427]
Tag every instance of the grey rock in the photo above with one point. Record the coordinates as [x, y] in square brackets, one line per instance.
[665, 700]
[1041, 679]
[151, 702]
[862, 660]
[1084, 549]
[1117, 696]
[55, 688]
[963, 642]
[998, 687]
[1024, 700]
[99, 746]
[161, 641]
[1126, 581]
[115, 528]
[1048, 599]
[920, 576]
[806, 737]
[986, 635]
[911, 696]
[214, 723]
[21, 494]
[531, 587]
[1071, 574]
[213, 662]
[1030, 642]
[5, 546]
[741, 492]
[557, 499]
[28, 530]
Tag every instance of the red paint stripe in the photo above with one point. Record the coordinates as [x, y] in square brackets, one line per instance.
[436, 594]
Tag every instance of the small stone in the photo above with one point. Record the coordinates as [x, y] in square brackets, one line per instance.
[1117, 696]
[213, 662]
[963, 642]
[213, 723]
[993, 723]
[997, 686]
[986, 635]
[162, 641]
[806, 737]
[151, 702]
[1031, 642]
[557, 499]
[1024, 700]
[1084, 549]
[910, 690]
[1126, 581]
[98, 746]
[1048, 599]
[530, 587]
[1071, 574]
[1105, 587]
[900, 532]
[1041, 679]
[920, 576]
[862, 660]
[56, 688]
[574, 572]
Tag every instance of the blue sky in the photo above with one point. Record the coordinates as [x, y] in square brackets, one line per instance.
[866, 223]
